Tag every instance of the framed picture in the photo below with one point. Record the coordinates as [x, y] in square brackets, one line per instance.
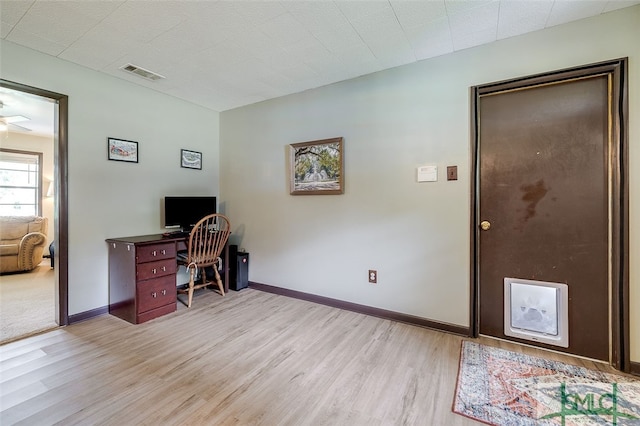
[190, 159]
[317, 167]
[122, 150]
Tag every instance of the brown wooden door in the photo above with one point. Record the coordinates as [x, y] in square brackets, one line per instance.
[543, 164]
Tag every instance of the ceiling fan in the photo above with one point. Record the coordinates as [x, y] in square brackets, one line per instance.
[9, 121]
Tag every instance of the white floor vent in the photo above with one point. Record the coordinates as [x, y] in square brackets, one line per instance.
[141, 72]
[537, 310]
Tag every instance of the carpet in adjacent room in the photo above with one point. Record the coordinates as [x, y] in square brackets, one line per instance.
[27, 303]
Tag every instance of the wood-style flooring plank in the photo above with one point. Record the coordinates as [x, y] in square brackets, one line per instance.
[249, 358]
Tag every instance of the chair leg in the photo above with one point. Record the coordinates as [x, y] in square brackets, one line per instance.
[218, 281]
[192, 273]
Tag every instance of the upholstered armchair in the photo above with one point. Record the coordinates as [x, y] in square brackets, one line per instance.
[22, 241]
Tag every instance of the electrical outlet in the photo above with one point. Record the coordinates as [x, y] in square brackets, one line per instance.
[373, 276]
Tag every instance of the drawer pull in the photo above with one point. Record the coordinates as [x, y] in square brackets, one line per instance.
[164, 292]
[154, 270]
[154, 294]
[163, 251]
[164, 269]
[154, 253]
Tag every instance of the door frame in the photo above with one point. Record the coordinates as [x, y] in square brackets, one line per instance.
[61, 199]
[617, 69]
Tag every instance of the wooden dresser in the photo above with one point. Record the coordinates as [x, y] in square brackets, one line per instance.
[142, 277]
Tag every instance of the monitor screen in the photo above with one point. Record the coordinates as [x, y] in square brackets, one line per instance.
[187, 211]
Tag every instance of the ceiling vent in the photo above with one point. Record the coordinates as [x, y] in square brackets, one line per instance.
[141, 72]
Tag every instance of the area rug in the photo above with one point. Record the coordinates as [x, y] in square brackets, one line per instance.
[500, 387]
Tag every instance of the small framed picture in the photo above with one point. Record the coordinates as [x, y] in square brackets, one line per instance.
[122, 150]
[190, 159]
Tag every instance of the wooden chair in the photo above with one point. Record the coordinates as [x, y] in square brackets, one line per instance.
[206, 242]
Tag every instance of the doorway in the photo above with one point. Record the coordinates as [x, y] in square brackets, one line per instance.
[550, 206]
[60, 176]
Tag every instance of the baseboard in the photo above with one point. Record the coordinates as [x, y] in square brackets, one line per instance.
[634, 368]
[82, 316]
[362, 309]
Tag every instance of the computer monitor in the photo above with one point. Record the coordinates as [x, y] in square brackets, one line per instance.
[184, 212]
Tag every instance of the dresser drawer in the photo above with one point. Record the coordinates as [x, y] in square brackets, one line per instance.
[155, 313]
[149, 253]
[152, 294]
[145, 271]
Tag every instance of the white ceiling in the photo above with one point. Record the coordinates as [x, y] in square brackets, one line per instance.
[226, 54]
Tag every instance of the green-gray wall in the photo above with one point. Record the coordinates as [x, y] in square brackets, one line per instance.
[415, 234]
[111, 198]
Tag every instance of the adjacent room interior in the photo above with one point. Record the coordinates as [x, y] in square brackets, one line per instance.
[27, 293]
[360, 151]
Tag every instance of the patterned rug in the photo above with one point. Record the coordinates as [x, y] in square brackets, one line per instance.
[500, 387]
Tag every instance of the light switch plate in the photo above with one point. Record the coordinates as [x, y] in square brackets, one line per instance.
[452, 172]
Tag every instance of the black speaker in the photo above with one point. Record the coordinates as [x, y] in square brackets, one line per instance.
[238, 268]
[242, 279]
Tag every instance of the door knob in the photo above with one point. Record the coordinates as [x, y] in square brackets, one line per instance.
[485, 225]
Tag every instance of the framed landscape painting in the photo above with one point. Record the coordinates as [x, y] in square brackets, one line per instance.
[317, 167]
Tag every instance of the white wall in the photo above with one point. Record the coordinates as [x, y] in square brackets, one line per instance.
[415, 235]
[44, 145]
[109, 198]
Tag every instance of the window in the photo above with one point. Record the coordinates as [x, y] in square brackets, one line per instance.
[20, 183]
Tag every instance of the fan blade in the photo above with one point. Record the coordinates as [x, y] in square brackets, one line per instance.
[20, 128]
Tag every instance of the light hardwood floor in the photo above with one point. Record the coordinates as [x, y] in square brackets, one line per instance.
[249, 358]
